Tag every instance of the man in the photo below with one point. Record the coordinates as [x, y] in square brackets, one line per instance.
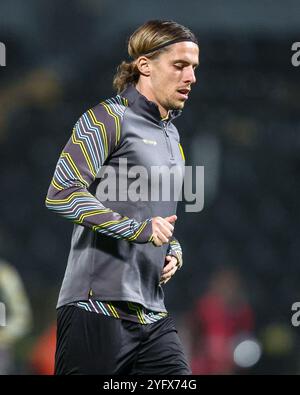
[111, 314]
[15, 315]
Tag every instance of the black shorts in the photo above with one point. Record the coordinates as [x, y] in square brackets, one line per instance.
[90, 343]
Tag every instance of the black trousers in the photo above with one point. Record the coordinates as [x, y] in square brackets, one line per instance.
[90, 343]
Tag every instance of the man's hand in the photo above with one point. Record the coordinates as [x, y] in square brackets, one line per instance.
[162, 229]
[171, 265]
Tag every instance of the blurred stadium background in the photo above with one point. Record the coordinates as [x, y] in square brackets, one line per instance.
[233, 298]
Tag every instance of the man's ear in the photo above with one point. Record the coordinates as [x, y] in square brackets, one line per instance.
[143, 64]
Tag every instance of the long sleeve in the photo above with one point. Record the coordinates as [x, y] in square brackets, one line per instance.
[175, 249]
[95, 135]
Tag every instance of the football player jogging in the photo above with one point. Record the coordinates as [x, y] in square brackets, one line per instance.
[111, 316]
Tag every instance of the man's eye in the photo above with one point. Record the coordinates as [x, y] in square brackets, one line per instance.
[179, 66]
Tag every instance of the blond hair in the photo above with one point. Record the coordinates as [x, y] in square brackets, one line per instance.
[152, 39]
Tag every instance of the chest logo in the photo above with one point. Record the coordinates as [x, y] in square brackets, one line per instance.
[151, 142]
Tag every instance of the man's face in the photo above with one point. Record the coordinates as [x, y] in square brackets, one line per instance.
[173, 73]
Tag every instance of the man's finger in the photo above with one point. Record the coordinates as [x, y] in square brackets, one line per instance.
[171, 218]
[165, 224]
[169, 272]
[156, 241]
[161, 235]
[169, 267]
[159, 238]
[166, 228]
[166, 277]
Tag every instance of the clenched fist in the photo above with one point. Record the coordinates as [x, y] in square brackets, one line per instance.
[162, 229]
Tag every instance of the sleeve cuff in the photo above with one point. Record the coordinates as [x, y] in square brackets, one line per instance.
[177, 255]
[144, 232]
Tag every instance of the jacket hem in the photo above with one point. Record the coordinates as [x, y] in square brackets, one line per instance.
[126, 298]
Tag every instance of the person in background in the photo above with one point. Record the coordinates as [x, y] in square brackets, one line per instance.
[16, 316]
[220, 317]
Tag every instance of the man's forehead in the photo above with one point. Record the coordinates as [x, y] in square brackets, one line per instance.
[186, 50]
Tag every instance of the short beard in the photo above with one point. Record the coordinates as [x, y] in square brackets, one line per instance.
[172, 106]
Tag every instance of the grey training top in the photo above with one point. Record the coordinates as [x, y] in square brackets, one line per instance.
[112, 257]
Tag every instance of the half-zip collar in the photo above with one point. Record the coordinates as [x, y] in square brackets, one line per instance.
[146, 108]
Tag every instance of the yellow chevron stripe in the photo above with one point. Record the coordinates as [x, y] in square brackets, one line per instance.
[116, 118]
[138, 232]
[138, 312]
[113, 308]
[108, 223]
[104, 225]
[74, 167]
[68, 199]
[56, 185]
[181, 150]
[85, 154]
[163, 314]
[112, 311]
[103, 131]
[91, 213]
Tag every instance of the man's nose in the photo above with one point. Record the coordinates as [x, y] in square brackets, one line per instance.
[190, 75]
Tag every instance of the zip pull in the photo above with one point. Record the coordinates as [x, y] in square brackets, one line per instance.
[165, 127]
[167, 138]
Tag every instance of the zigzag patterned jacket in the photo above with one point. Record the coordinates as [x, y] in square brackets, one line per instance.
[112, 257]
